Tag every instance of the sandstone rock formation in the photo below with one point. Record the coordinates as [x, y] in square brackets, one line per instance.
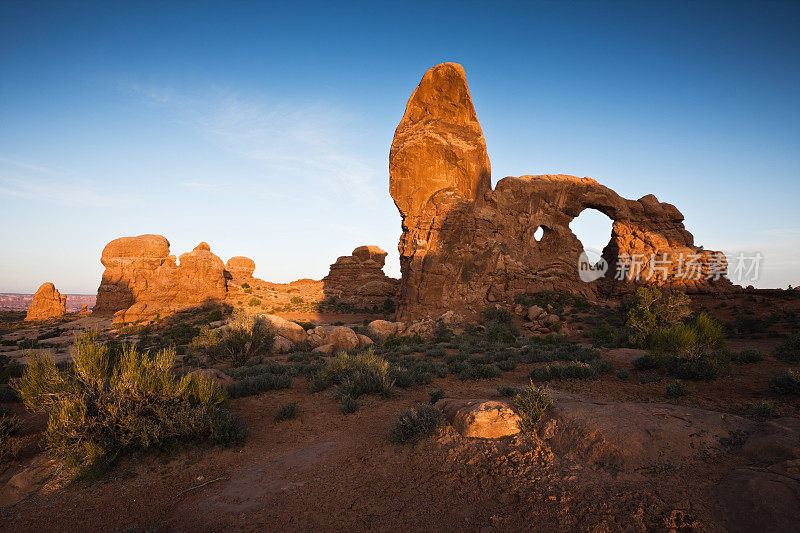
[465, 246]
[47, 303]
[485, 419]
[240, 269]
[358, 279]
[142, 281]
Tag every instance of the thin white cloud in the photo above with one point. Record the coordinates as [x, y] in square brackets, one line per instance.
[300, 141]
[31, 181]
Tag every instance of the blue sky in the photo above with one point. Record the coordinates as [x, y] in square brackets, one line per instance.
[264, 128]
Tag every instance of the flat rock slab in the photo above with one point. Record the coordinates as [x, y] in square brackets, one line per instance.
[485, 419]
[632, 436]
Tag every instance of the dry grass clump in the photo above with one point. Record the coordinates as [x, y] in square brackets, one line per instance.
[239, 340]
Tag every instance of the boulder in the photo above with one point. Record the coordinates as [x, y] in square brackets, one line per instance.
[364, 341]
[382, 328]
[485, 419]
[326, 349]
[343, 338]
[358, 279]
[292, 331]
[534, 312]
[47, 303]
[466, 246]
[281, 345]
[84, 310]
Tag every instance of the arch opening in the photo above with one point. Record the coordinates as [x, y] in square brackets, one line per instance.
[593, 229]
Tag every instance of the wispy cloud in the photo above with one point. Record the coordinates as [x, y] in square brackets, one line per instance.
[306, 141]
[31, 181]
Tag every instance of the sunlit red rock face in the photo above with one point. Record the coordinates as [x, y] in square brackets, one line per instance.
[240, 269]
[47, 303]
[358, 279]
[465, 246]
[142, 281]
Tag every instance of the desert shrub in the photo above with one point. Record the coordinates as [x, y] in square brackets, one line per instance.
[9, 369]
[676, 389]
[764, 408]
[703, 368]
[787, 383]
[749, 325]
[348, 404]
[396, 342]
[508, 391]
[245, 285]
[287, 411]
[255, 301]
[747, 356]
[623, 374]
[260, 369]
[789, 350]
[435, 351]
[435, 395]
[575, 370]
[108, 405]
[259, 383]
[647, 362]
[9, 445]
[305, 324]
[650, 310]
[239, 340]
[406, 377]
[413, 424]
[355, 374]
[499, 325]
[506, 365]
[441, 333]
[532, 402]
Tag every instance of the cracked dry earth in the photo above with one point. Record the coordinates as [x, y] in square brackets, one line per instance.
[610, 466]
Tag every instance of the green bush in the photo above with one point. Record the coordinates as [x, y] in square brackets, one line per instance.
[499, 325]
[623, 374]
[287, 411]
[239, 340]
[480, 371]
[676, 389]
[787, 383]
[413, 424]
[650, 310]
[789, 350]
[532, 403]
[107, 405]
[355, 374]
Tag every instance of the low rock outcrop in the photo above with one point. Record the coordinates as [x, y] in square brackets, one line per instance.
[142, 281]
[47, 303]
[465, 245]
[485, 419]
[358, 279]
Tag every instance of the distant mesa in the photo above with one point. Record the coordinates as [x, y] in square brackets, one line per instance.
[47, 303]
[465, 246]
[358, 279]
